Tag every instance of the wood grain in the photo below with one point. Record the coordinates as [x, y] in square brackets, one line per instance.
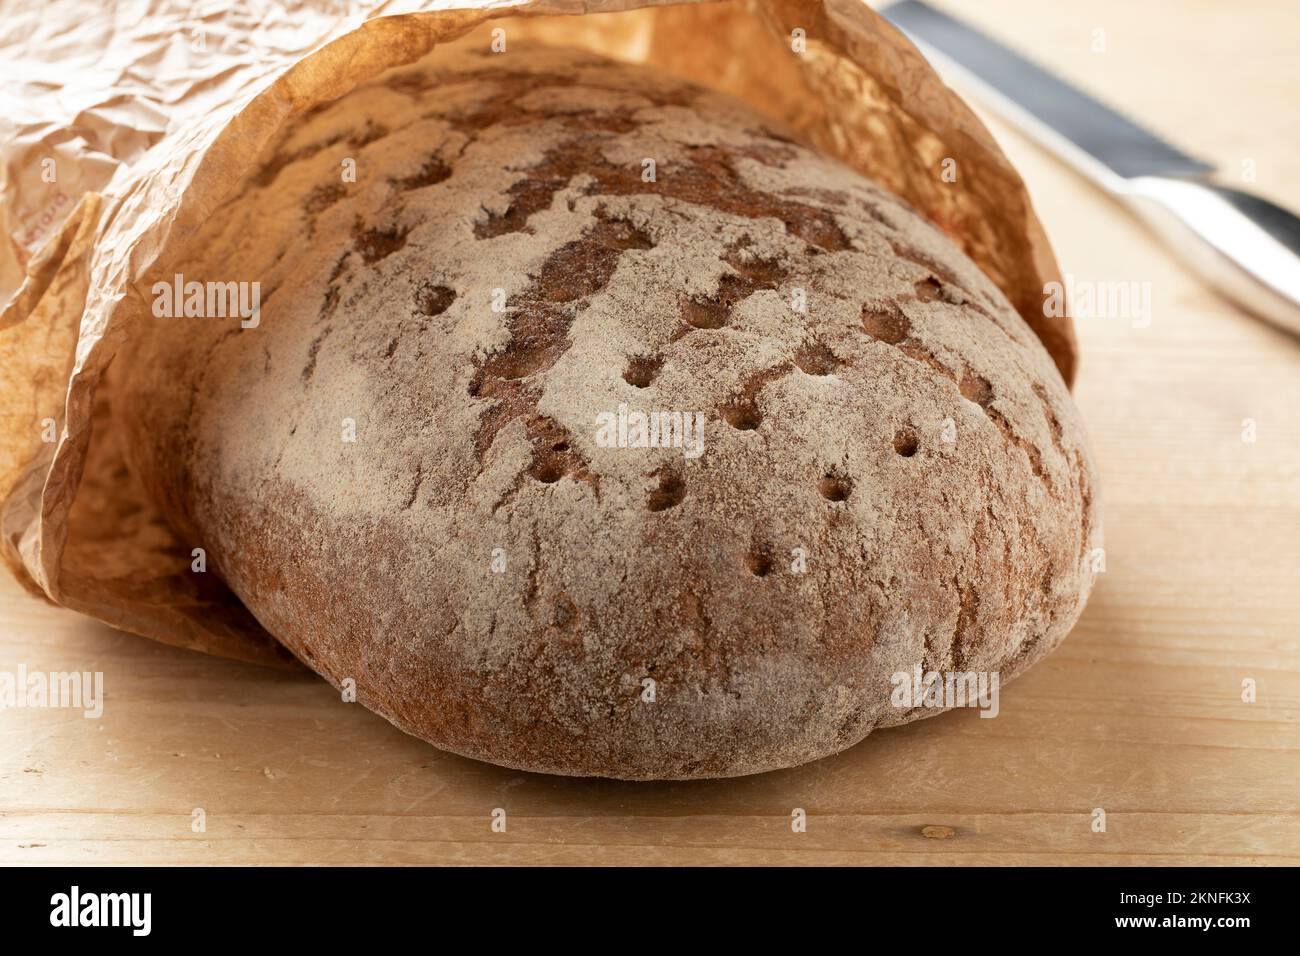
[1139, 713]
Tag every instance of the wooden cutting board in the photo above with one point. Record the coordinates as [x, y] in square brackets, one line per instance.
[1139, 714]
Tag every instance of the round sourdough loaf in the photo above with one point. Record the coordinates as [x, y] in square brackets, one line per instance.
[424, 469]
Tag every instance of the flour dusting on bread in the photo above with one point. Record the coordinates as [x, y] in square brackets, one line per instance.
[892, 472]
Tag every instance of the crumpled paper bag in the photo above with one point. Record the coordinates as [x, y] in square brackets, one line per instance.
[125, 124]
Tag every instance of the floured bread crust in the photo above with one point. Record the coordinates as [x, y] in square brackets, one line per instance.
[893, 473]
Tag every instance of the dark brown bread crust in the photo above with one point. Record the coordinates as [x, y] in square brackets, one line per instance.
[893, 471]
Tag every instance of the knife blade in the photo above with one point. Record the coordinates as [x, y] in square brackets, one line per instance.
[1245, 246]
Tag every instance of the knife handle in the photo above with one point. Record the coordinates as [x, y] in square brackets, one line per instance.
[1246, 246]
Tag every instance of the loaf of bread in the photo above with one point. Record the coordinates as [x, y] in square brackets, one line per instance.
[593, 425]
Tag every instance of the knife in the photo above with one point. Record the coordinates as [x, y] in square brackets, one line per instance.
[1243, 245]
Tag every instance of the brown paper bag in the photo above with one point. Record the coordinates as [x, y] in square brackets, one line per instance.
[158, 119]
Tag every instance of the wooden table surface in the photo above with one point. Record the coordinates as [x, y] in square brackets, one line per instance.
[1140, 713]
